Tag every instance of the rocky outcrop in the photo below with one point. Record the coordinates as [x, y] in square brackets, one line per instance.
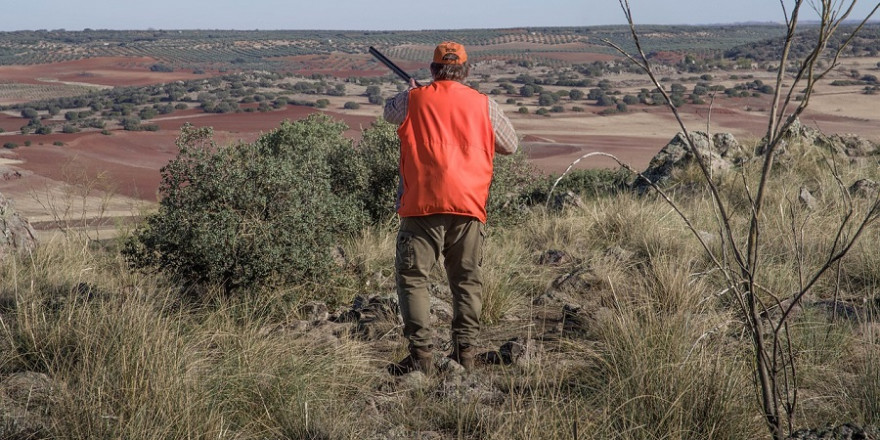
[843, 146]
[16, 233]
[719, 153]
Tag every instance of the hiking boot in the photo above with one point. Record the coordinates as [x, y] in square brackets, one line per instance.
[464, 355]
[419, 359]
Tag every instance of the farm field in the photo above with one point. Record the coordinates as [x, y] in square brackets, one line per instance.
[127, 163]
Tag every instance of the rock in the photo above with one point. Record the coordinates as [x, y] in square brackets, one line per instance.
[849, 147]
[725, 144]
[379, 317]
[339, 257]
[28, 389]
[25, 400]
[677, 154]
[866, 188]
[619, 254]
[7, 173]
[314, 311]
[565, 200]
[846, 431]
[553, 257]
[517, 351]
[578, 282]
[469, 388]
[807, 199]
[16, 233]
[441, 311]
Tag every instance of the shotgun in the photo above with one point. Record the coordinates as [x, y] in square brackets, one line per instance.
[390, 64]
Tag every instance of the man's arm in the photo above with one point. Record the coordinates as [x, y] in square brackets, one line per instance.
[506, 141]
[395, 108]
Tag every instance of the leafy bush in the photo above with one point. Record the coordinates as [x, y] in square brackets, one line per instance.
[266, 213]
[270, 213]
[514, 181]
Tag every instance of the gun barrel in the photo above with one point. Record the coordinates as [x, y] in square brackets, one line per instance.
[390, 64]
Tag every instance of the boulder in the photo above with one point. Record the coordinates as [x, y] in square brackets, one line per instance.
[847, 147]
[866, 188]
[16, 233]
[677, 154]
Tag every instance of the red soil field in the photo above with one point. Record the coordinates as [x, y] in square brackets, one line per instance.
[132, 159]
[105, 71]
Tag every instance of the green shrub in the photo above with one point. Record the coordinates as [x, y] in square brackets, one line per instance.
[380, 150]
[514, 180]
[10, 145]
[351, 105]
[247, 215]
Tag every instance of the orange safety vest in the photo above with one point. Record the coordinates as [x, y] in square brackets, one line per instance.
[446, 149]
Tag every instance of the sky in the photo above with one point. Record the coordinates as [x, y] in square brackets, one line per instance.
[379, 14]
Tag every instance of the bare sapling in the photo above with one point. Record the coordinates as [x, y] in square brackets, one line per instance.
[765, 312]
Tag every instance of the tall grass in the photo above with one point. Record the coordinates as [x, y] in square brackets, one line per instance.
[663, 355]
[131, 361]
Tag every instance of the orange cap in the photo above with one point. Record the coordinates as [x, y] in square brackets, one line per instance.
[448, 47]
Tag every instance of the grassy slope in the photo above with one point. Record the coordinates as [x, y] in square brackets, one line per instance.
[657, 351]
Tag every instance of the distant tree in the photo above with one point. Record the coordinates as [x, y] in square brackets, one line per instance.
[131, 123]
[29, 113]
[376, 99]
[322, 103]
[576, 94]
[161, 68]
[373, 90]
[595, 94]
[547, 99]
[522, 110]
[69, 128]
[351, 105]
[606, 101]
[147, 113]
[630, 100]
[527, 91]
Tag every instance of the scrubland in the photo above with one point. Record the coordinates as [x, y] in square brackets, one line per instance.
[629, 332]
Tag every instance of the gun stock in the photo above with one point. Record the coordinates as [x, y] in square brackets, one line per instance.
[390, 64]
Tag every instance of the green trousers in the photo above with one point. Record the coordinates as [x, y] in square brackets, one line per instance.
[420, 243]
